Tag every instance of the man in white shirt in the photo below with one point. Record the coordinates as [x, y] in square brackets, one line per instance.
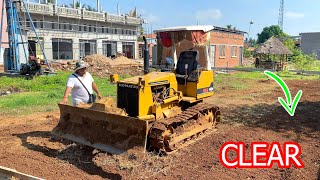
[80, 94]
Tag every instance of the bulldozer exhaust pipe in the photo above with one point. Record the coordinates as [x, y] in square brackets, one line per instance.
[145, 56]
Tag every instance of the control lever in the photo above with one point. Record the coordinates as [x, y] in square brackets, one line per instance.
[186, 75]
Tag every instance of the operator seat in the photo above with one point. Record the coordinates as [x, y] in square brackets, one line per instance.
[187, 57]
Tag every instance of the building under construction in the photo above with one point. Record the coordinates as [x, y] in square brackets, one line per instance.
[72, 33]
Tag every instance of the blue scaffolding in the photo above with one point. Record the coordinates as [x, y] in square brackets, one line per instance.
[15, 35]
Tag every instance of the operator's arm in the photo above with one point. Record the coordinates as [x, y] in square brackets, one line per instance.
[66, 94]
[95, 88]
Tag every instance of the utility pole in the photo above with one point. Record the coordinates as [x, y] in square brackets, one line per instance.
[251, 22]
[281, 13]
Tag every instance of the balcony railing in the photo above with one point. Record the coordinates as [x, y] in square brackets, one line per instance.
[39, 8]
[91, 15]
[133, 20]
[115, 19]
[51, 9]
[68, 12]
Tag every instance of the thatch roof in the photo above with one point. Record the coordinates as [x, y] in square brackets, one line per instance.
[273, 46]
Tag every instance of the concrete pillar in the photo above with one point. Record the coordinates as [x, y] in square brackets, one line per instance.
[1, 56]
[118, 9]
[98, 5]
[208, 63]
[136, 50]
[119, 47]
[48, 47]
[76, 48]
[22, 57]
[99, 46]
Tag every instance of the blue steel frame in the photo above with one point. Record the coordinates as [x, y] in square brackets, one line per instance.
[14, 30]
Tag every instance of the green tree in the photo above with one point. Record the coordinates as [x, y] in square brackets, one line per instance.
[141, 32]
[251, 42]
[247, 53]
[305, 62]
[268, 32]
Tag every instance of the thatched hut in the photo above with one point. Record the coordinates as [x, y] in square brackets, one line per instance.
[272, 54]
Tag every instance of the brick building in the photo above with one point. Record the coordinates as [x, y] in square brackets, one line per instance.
[217, 47]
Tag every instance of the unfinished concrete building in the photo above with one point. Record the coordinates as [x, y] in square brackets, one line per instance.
[310, 43]
[71, 33]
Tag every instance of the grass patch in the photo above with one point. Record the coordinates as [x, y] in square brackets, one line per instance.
[43, 93]
[40, 94]
[261, 76]
[236, 80]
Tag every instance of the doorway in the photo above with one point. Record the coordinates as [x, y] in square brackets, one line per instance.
[128, 49]
[34, 48]
[87, 47]
[109, 48]
[240, 55]
[62, 48]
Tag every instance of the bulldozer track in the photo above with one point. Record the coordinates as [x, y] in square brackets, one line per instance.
[195, 139]
[176, 132]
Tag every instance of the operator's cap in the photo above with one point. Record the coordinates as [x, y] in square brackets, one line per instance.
[81, 65]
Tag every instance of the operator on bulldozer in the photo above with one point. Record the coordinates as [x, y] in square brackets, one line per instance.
[159, 110]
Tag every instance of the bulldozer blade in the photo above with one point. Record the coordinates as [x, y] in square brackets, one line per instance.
[112, 133]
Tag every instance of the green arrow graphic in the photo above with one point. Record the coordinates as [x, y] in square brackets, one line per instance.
[290, 106]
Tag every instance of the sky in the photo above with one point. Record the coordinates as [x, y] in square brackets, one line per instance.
[299, 15]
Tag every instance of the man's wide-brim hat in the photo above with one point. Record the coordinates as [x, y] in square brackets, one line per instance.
[81, 65]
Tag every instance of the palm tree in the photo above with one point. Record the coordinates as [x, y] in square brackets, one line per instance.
[229, 26]
[48, 1]
[89, 8]
[77, 5]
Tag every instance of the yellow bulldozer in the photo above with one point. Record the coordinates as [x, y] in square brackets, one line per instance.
[159, 110]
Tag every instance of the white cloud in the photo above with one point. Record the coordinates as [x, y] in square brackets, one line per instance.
[152, 18]
[294, 15]
[141, 11]
[148, 17]
[209, 14]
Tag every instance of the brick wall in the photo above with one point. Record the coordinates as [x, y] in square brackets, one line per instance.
[228, 40]
[185, 45]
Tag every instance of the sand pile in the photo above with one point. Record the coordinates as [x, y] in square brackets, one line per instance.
[99, 59]
[103, 66]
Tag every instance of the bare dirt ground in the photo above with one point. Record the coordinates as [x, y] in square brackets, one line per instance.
[250, 114]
